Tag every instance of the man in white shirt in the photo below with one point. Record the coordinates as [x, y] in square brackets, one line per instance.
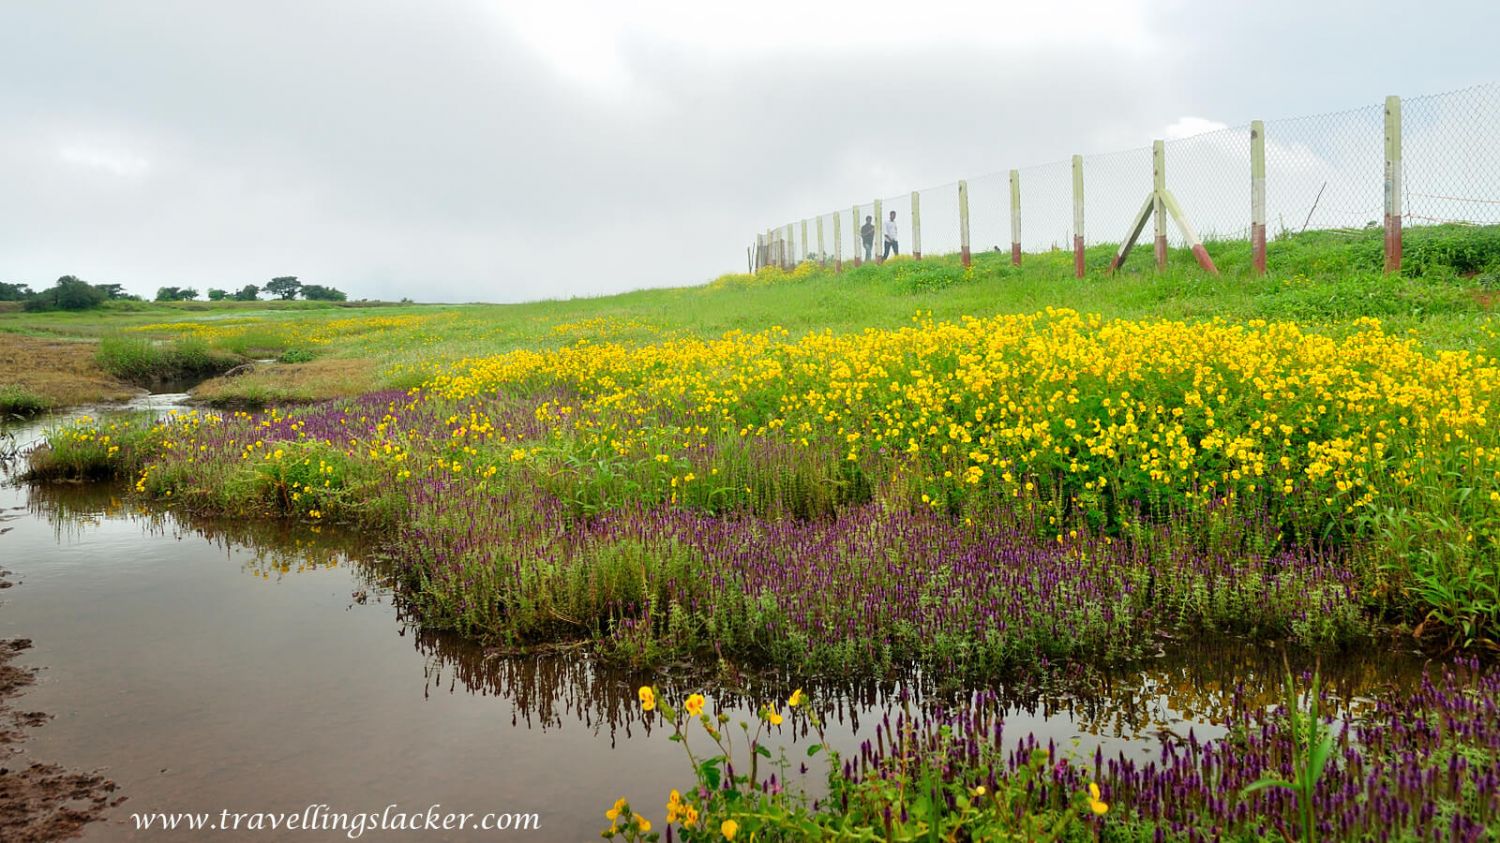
[891, 233]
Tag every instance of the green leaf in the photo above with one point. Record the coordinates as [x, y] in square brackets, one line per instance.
[1265, 783]
[1319, 759]
[762, 752]
[814, 749]
[708, 772]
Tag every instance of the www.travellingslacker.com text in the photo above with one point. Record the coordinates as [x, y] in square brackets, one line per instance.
[352, 825]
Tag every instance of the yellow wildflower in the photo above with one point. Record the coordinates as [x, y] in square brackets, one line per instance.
[1097, 805]
[613, 813]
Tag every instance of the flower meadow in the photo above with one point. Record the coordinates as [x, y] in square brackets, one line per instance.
[968, 498]
[968, 492]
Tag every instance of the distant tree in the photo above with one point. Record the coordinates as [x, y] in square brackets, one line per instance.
[74, 293]
[176, 294]
[70, 293]
[285, 286]
[249, 292]
[15, 292]
[317, 292]
[215, 294]
[115, 292]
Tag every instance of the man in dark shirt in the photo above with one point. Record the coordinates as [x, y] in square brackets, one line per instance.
[867, 234]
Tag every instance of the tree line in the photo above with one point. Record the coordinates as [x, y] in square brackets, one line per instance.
[73, 293]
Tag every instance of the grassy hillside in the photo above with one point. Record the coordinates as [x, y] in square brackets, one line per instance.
[1322, 280]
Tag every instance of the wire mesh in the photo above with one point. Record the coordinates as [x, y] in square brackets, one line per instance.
[989, 212]
[939, 219]
[1326, 172]
[1115, 185]
[1046, 207]
[1451, 152]
[1210, 176]
[1323, 172]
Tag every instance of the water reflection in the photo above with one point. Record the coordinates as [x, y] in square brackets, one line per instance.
[266, 548]
[1190, 687]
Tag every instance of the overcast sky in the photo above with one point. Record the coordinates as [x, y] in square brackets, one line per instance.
[497, 151]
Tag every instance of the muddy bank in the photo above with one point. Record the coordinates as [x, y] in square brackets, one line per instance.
[61, 372]
[278, 384]
[39, 801]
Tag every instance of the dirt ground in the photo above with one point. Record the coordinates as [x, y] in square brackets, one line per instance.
[299, 383]
[64, 372]
[38, 801]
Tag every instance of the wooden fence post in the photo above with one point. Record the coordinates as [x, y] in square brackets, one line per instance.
[854, 215]
[879, 234]
[822, 255]
[802, 255]
[1015, 217]
[1158, 207]
[789, 256]
[1077, 216]
[916, 225]
[1136, 228]
[1258, 196]
[1393, 184]
[963, 220]
[838, 245]
[1188, 234]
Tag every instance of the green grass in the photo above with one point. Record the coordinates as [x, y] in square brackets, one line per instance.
[19, 401]
[148, 362]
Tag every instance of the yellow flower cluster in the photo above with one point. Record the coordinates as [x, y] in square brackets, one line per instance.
[287, 332]
[766, 276]
[622, 819]
[1201, 410]
[680, 811]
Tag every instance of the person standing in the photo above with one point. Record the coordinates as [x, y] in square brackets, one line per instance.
[867, 234]
[891, 235]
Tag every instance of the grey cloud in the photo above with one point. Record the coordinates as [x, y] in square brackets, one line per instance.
[424, 150]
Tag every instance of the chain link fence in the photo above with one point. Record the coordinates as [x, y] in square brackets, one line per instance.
[1324, 172]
